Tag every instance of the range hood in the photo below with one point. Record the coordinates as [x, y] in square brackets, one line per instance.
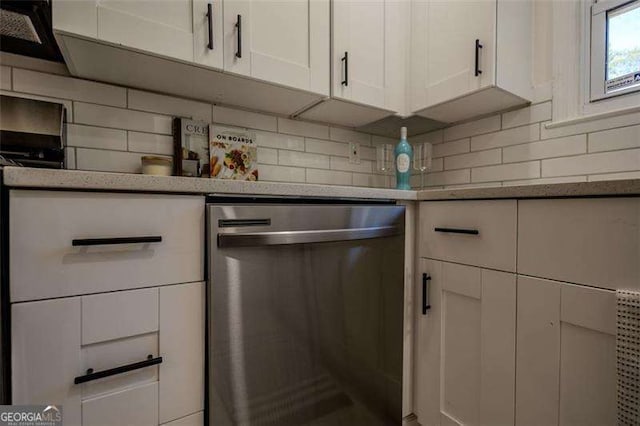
[25, 29]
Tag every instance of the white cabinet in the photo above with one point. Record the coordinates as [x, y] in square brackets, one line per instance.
[566, 354]
[105, 331]
[465, 346]
[368, 54]
[469, 58]
[276, 60]
[45, 224]
[283, 42]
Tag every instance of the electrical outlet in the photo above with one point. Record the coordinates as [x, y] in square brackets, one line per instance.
[354, 153]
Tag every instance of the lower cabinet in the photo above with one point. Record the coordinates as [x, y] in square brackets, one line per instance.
[58, 342]
[566, 354]
[465, 346]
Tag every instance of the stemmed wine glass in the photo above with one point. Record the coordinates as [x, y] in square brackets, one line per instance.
[422, 156]
[384, 160]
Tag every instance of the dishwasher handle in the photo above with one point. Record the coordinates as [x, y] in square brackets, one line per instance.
[270, 238]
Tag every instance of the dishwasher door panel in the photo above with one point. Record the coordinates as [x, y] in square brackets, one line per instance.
[306, 334]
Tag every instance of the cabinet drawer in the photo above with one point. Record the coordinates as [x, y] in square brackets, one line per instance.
[479, 233]
[44, 263]
[585, 241]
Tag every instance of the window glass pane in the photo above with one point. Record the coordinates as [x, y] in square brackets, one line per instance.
[623, 43]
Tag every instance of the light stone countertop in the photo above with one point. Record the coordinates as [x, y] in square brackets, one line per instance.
[24, 177]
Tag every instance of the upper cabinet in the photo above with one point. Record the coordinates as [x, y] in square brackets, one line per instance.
[264, 55]
[469, 58]
[369, 43]
[345, 62]
[284, 42]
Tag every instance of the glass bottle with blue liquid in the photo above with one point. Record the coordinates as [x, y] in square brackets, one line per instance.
[403, 155]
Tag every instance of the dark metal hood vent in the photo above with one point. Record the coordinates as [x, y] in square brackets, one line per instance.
[32, 133]
[25, 29]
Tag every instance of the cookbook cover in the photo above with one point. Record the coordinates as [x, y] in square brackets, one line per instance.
[234, 155]
[191, 147]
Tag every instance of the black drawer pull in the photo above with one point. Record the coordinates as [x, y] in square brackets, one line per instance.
[458, 231]
[210, 19]
[345, 61]
[426, 305]
[479, 46]
[117, 240]
[91, 375]
[239, 36]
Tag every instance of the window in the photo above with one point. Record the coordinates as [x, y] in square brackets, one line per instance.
[615, 48]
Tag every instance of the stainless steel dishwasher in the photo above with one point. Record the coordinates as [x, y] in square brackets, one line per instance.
[305, 312]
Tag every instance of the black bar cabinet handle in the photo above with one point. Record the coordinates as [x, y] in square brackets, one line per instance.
[426, 279]
[458, 231]
[210, 19]
[345, 61]
[91, 375]
[478, 47]
[117, 240]
[239, 35]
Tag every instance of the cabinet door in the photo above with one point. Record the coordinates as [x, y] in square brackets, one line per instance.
[566, 354]
[207, 33]
[359, 56]
[161, 27]
[283, 42]
[443, 49]
[465, 351]
[182, 346]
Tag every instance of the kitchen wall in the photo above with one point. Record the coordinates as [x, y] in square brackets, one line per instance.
[516, 148]
[111, 127]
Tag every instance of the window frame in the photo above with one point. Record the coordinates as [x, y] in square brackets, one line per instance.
[598, 49]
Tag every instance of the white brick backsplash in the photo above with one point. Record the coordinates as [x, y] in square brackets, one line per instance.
[367, 153]
[548, 148]
[280, 141]
[96, 137]
[508, 137]
[379, 140]
[451, 148]
[546, 181]
[473, 159]
[434, 137]
[281, 174]
[118, 118]
[603, 162]
[504, 172]
[326, 147]
[68, 105]
[344, 135]
[328, 177]
[612, 140]
[615, 176]
[108, 161]
[591, 126]
[236, 117]
[5, 78]
[451, 177]
[152, 102]
[472, 128]
[342, 163]
[267, 155]
[75, 89]
[150, 143]
[522, 116]
[370, 180]
[111, 127]
[302, 128]
[303, 159]
[70, 158]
